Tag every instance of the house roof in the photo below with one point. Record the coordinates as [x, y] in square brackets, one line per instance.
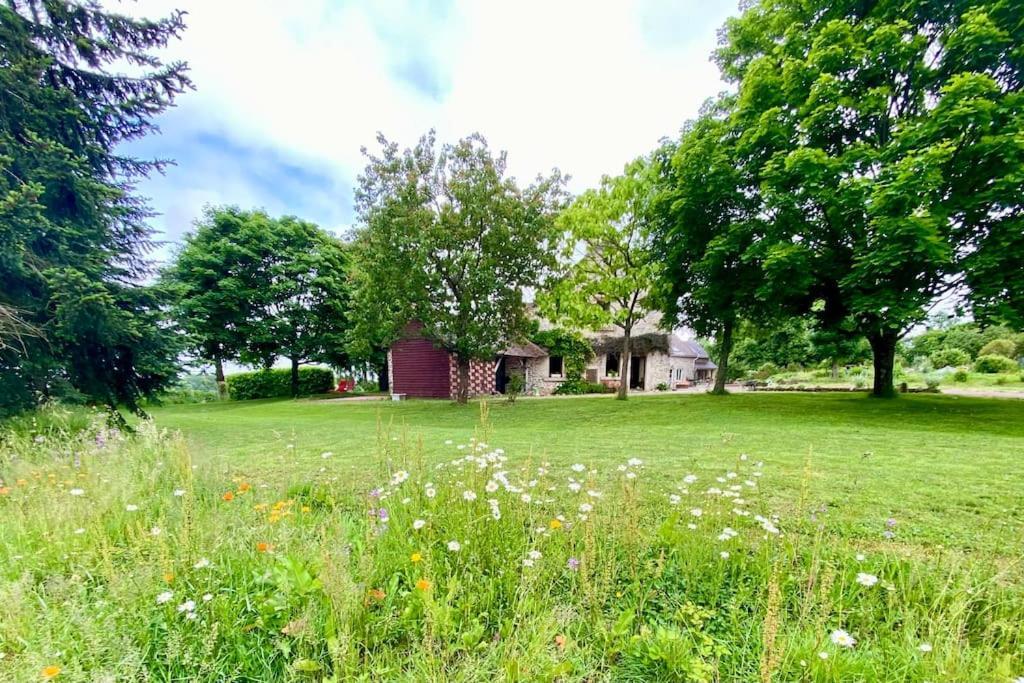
[526, 349]
[704, 364]
[682, 348]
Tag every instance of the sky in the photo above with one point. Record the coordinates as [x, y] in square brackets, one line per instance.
[288, 93]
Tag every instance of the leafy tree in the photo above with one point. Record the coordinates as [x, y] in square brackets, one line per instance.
[893, 146]
[948, 356]
[610, 268]
[214, 279]
[73, 316]
[454, 241]
[999, 347]
[707, 226]
[301, 310]
[253, 288]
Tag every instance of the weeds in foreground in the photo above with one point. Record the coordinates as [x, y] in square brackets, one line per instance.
[123, 559]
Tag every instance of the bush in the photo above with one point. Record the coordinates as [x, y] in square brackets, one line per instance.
[992, 364]
[999, 347]
[514, 387]
[572, 387]
[662, 386]
[766, 370]
[932, 382]
[948, 356]
[960, 376]
[277, 383]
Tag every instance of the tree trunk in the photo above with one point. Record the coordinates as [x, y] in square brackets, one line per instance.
[383, 378]
[883, 351]
[724, 349]
[222, 385]
[462, 390]
[835, 368]
[624, 366]
[295, 377]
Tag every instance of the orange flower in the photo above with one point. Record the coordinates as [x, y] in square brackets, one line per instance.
[50, 671]
[423, 585]
[4, 490]
[415, 557]
[560, 641]
[228, 497]
[263, 547]
[169, 577]
[555, 524]
[376, 594]
[243, 487]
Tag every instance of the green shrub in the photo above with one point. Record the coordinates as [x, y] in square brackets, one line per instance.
[948, 356]
[992, 364]
[960, 376]
[579, 386]
[514, 387]
[766, 370]
[662, 386]
[277, 383]
[999, 347]
[1002, 379]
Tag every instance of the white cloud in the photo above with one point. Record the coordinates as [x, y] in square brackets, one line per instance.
[579, 85]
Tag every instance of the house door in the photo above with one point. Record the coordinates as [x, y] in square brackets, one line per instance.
[501, 375]
[637, 366]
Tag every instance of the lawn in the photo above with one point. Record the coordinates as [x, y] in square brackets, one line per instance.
[778, 537]
[948, 469]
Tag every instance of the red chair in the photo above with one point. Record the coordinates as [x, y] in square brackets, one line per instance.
[346, 385]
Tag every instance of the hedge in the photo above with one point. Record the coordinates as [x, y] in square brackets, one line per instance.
[278, 383]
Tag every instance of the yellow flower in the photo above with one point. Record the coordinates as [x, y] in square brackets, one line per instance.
[168, 577]
[416, 557]
[306, 508]
[423, 585]
[50, 671]
[555, 524]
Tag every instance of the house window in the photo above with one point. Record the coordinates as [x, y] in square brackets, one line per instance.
[555, 366]
[679, 374]
[611, 364]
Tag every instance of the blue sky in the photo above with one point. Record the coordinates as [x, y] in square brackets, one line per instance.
[288, 93]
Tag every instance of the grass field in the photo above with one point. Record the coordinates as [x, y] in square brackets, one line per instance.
[782, 537]
[951, 470]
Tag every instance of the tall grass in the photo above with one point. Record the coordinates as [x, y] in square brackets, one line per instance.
[122, 558]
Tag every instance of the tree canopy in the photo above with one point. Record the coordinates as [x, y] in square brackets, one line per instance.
[253, 288]
[888, 140]
[453, 241]
[609, 267]
[73, 237]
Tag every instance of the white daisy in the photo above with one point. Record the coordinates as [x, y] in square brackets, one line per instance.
[454, 546]
[842, 638]
[866, 579]
[419, 524]
[203, 563]
[187, 606]
[469, 495]
[131, 507]
[77, 492]
[164, 597]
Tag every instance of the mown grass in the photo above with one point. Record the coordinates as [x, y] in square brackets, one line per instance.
[297, 520]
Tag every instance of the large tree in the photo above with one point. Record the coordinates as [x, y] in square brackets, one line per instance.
[610, 269]
[73, 235]
[709, 231]
[301, 311]
[253, 288]
[894, 168]
[454, 240]
[214, 279]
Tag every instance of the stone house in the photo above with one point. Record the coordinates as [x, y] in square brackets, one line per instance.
[659, 361]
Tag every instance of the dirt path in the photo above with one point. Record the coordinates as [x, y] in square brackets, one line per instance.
[985, 393]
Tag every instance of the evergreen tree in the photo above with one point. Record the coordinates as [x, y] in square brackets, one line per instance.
[73, 235]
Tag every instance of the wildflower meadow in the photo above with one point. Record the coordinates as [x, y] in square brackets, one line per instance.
[123, 557]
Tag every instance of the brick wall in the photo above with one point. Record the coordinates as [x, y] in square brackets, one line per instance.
[481, 377]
